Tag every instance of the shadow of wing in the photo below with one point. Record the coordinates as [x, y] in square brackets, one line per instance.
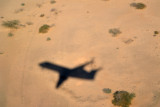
[62, 78]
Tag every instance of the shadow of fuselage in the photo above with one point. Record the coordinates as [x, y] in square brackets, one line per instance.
[64, 73]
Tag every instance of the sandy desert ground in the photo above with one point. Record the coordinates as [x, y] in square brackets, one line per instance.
[130, 61]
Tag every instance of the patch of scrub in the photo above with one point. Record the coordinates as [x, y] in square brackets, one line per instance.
[22, 4]
[48, 39]
[52, 1]
[42, 15]
[13, 24]
[10, 34]
[122, 98]
[107, 90]
[128, 41]
[44, 28]
[156, 33]
[138, 5]
[115, 32]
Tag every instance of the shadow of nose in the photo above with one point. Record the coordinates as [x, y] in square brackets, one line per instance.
[43, 64]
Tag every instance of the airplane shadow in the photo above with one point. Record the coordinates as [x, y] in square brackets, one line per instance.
[77, 72]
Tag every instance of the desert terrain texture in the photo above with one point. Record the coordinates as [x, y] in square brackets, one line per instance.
[123, 41]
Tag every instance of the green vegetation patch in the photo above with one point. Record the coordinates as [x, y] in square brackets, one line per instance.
[52, 1]
[138, 5]
[10, 34]
[122, 98]
[44, 28]
[107, 90]
[13, 24]
[114, 32]
[156, 32]
[22, 4]
[48, 39]
[42, 15]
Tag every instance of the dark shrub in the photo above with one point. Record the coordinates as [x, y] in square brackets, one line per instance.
[122, 98]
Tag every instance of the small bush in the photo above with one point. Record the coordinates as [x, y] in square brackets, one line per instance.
[52, 1]
[13, 24]
[48, 39]
[114, 32]
[107, 90]
[122, 98]
[42, 15]
[10, 34]
[22, 4]
[156, 32]
[44, 28]
[138, 5]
